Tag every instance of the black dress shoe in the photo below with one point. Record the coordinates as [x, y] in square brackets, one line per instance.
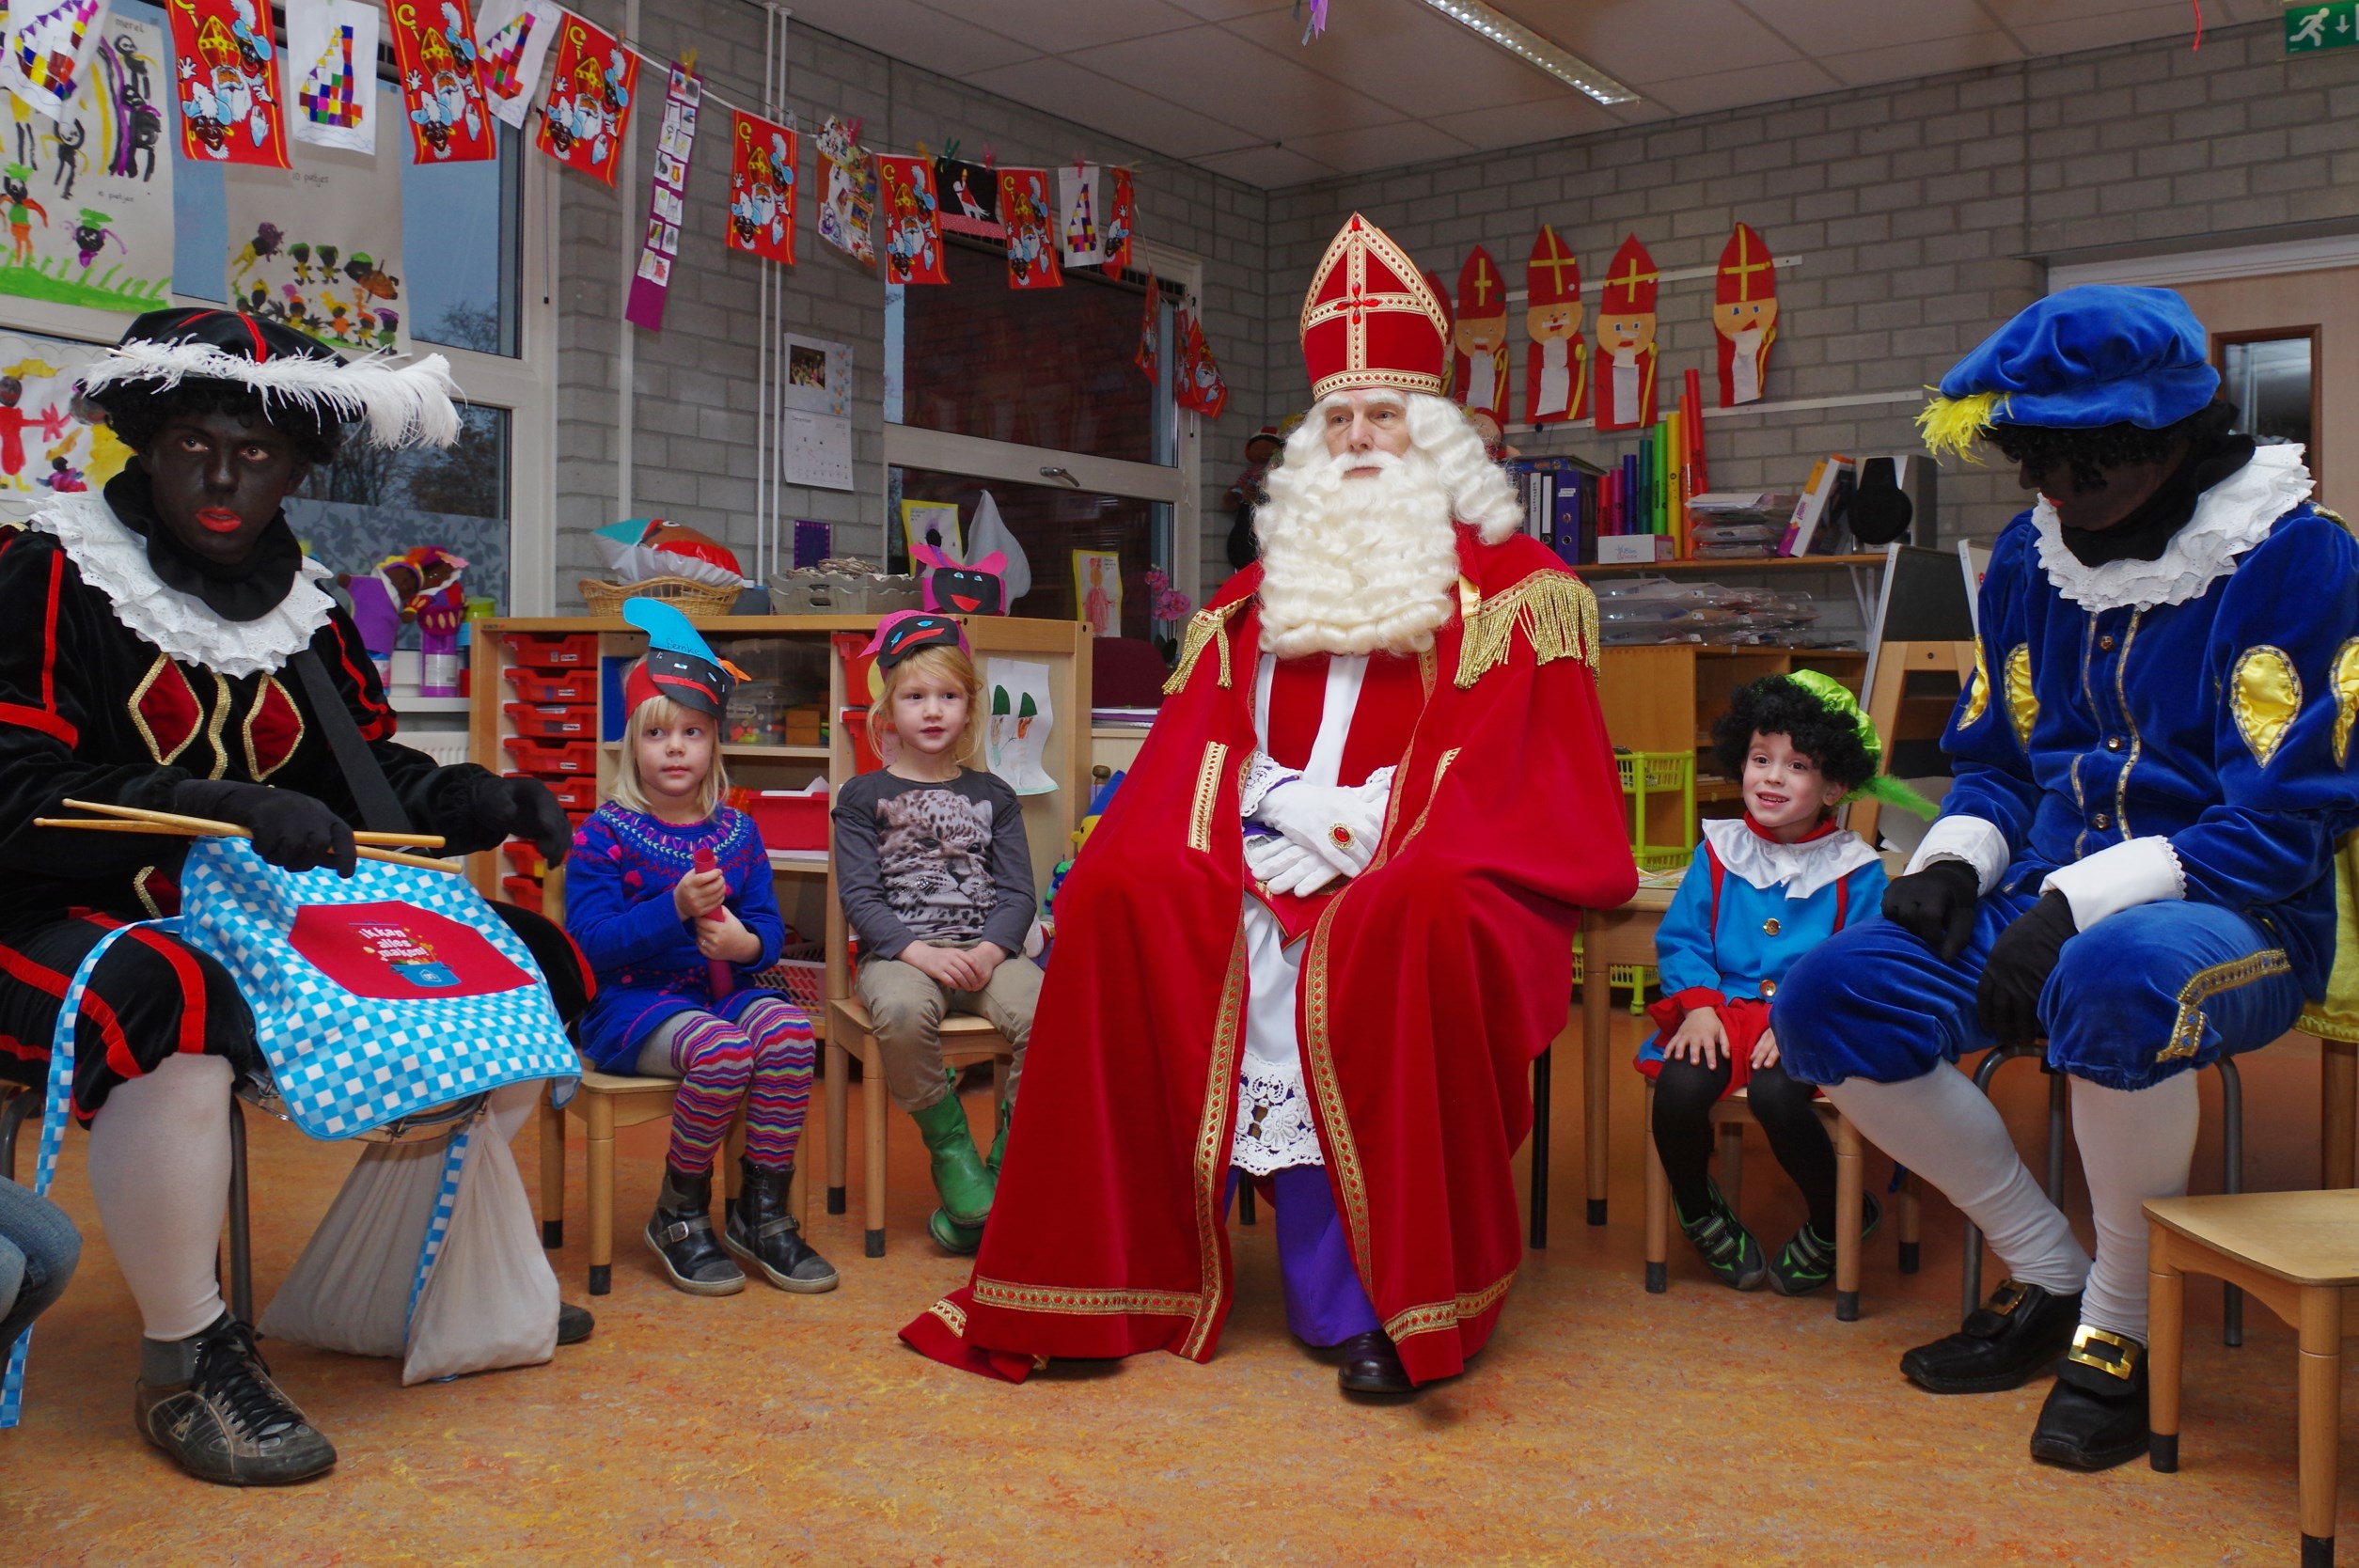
[2004, 1343]
[2095, 1415]
[573, 1323]
[1372, 1366]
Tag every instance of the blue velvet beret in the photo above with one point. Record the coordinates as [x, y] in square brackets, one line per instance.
[2099, 354]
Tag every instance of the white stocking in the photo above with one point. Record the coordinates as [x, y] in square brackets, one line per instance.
[1942, 1128]
[160, 1170]
[2136, 1144]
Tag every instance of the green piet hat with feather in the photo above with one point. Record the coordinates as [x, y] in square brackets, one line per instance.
[1837, 699]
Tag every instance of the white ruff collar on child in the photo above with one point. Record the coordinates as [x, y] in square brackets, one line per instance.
[1804, 868]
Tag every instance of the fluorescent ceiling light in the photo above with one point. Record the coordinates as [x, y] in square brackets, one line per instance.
[1533, 49]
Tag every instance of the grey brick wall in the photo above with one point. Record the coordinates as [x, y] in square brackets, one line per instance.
[1922, 213]
[694, 445]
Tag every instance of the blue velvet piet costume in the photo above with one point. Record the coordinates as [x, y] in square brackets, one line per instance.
[2165, 741]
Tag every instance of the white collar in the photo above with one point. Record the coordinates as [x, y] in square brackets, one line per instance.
[114, 560]
[2230, 518]
[1804, 868]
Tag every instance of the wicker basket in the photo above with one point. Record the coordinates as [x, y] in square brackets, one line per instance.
[697, 600]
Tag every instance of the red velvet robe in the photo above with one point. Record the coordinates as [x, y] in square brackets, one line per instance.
[1430, 983]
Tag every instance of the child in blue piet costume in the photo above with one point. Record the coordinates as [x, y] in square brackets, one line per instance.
[2133, 863]
[1763, 889]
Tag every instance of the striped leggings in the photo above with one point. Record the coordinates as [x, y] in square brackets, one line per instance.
[763, 1059]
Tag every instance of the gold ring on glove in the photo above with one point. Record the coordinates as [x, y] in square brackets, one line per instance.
[1342, 836]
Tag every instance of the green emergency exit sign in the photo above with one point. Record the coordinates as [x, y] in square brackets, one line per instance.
[2330, 25]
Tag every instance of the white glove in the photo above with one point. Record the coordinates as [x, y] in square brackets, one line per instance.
[1339, 827]
[1282, 866]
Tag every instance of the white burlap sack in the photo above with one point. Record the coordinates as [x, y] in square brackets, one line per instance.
[491, 1300]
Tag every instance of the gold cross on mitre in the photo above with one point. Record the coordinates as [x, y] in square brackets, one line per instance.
[1556, 261]
[1631, 279]
[1744, 267]
[1482, 282]
[1358, 301]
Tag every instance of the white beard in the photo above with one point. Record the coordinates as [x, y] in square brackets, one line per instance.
[1357, 566]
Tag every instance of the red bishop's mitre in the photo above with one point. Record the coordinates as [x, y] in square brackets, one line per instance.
[1630, 289]
[1369, 319]
[1482, 293]
[1747, 271]
[1552, 276]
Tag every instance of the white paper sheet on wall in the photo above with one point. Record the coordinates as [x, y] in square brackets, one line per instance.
[816, 450]
[1021, 715]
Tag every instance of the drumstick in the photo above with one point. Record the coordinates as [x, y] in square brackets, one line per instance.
[231, 830]
[227, 830]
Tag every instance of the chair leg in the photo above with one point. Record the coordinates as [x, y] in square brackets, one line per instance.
[13, 1111]
[1732, 1161]
[2166, 1344]
[552, 1173]
[1597, 1098]
[839, 1081]
[600, 1195]
[873, 1118]
[240, 1231]
[1850, 1219]
[732, 1151]
[1911, 1207]
[1245, 1213]
[2338, 1121]
[2231, 1180]
[1542, 1073]
[1970, 1266]
[2321, 1388]
[1657, 1208]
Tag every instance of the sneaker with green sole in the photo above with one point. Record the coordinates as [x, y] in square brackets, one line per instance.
[1728, 1248]
[1807, 1262]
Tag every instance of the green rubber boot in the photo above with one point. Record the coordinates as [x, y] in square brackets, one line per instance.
[999, 1138]
[959, 1175]
[960, 1241]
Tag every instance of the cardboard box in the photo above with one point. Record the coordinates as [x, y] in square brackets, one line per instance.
[1622, 549]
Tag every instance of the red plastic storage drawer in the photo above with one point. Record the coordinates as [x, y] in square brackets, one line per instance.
[576, 793]
[563, 651]
[790, 819]
[557, 723]
[524, 856]
[533, 685]
[545, 756]
[524, 891]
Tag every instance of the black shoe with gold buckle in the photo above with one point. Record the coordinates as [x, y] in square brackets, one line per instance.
[2095, 1415]
[2004, 1344]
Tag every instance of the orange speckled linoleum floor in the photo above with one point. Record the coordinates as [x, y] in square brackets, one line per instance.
[1603, 1425]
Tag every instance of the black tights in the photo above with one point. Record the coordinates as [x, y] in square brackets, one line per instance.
[1684, 1096]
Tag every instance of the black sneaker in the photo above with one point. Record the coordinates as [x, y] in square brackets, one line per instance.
[1728, 1248]
[228, 1424]
[1807, 1262]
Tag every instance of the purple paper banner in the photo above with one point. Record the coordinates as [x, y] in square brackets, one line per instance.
[667, 197]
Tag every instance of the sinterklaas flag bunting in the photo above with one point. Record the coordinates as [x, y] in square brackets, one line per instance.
[909, 220]
[49, 53]
[1121, 219]
[226, 82]
[514, 35]
[442, 83]
[1149, 354]
[1198, 383]
[761, 162]
[588, 109]
[1030, 218]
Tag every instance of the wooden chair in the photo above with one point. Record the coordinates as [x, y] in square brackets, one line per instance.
[2296, 1253]
[1730, 1116]
[850, 1033]
[607, 1102]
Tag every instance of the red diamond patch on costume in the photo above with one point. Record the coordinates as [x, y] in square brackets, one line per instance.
[1371, 319]
[164, 710]
[273, 727]
[398, 950]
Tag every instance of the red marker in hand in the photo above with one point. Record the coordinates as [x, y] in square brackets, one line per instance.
[719, 973]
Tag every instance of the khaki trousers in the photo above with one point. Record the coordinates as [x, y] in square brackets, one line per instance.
[905, 1006]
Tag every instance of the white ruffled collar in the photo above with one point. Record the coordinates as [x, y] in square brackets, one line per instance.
[2230, 518]
[114, 560]
[1804, 868]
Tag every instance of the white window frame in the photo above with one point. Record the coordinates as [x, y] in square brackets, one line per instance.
[1179, 486]
[520, 386]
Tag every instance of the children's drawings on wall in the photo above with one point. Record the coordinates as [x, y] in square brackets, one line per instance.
[44, 450]
[321, 251]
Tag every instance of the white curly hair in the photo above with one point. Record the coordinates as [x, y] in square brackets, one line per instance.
[1359, 566]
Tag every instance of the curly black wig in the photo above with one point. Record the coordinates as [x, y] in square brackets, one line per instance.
[1775, 706]
[2086, 454]
[136, 412]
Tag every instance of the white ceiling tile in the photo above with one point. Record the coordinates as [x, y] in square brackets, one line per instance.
[1269, 167]
[1655, 41]
[909, 31]
[2044, 34]
[1221, 10]
[1380, 146]
[1235, 82]
[1059, 26]
[1063, 88]
[1514, 124]
[1730, 89]
[1406, 55]
[1849, 26]
[1926, 58]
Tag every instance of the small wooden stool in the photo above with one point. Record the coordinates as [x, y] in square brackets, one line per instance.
[607, 1101]
[2295, 1252]
[850, 1033]
[1730, 1116]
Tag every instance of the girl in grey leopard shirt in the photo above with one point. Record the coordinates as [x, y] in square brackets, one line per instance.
[937, 880]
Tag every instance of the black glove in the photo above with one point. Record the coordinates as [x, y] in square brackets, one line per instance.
[290, 828]
[524, 808]
[2020, 962]
[1936, 906]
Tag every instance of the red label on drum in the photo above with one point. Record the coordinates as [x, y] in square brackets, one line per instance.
[400, 951]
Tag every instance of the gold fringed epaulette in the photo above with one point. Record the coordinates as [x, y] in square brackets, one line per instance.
[1207, 628]
[1557, 613]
